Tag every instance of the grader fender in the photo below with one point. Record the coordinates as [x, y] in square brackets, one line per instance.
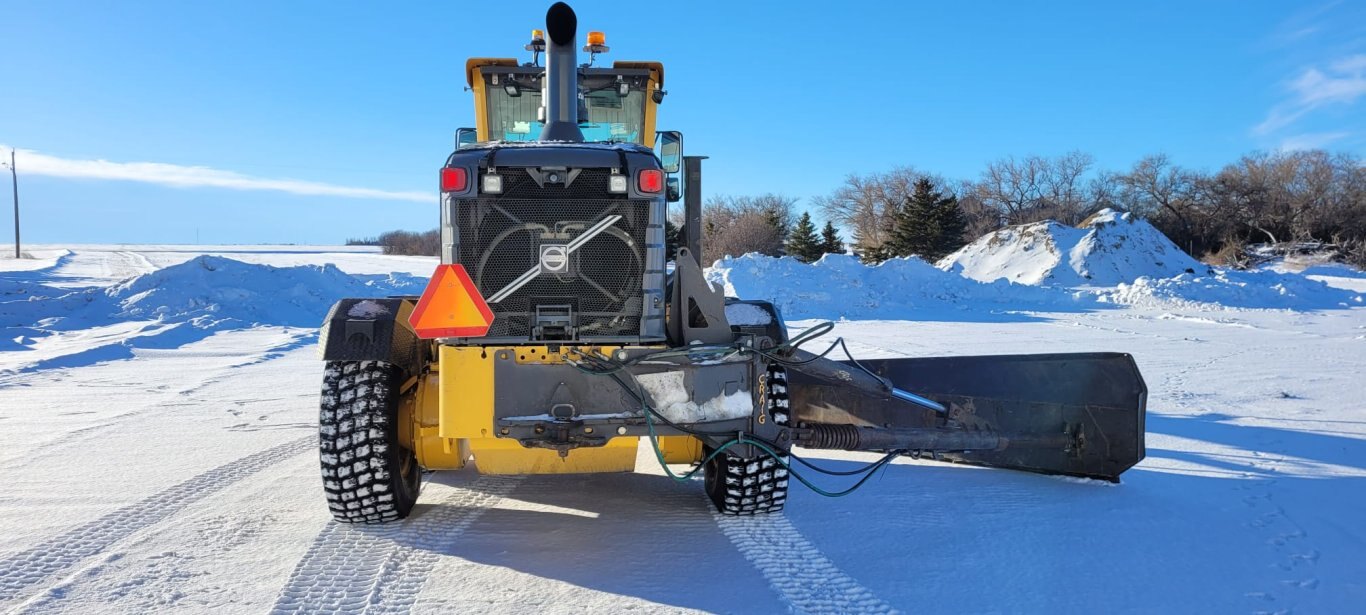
[372, 330]
[1075, 414]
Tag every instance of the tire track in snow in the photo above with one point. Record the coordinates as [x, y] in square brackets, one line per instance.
[120, 265]
[795, 568]
[36, 564]
[132, 264]
[382, 568]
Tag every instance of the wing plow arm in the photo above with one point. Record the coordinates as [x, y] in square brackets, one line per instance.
[1076, 414]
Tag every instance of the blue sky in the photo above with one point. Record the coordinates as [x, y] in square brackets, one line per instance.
[348, 108]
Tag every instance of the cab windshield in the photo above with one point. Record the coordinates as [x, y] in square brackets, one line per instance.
[611, 116]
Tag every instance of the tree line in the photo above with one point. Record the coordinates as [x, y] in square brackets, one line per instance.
[427, 243]
[927, 221]
[732, 226]
[1264, 197]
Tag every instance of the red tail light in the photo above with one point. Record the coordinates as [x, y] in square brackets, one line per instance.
[650, 180]
[454, 179]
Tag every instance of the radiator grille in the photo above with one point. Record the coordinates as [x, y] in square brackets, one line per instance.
[500, 239]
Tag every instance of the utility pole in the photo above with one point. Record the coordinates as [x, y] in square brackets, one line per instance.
[14, 174]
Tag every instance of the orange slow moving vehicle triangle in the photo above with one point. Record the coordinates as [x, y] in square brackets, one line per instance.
[451, 306]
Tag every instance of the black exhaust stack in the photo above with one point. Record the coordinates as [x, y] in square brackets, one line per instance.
[561, 97]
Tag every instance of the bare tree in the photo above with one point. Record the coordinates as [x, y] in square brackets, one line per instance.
[1012, 186]
[982, 218]
[868, 203]
[1155, 184]
[1316, 190]
[1036, 188]
[1062, 187]
[1106, 191]
[732, 226]
[1285, 196]
[741, 235]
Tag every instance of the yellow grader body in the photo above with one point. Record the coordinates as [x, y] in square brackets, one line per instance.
[446, 418]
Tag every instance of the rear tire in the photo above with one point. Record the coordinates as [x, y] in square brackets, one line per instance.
[367, 476]
[746, 486]
[752, 485]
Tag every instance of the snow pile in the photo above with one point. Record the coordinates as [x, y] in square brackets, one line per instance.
[1262, 289]
[1122, 259]
[1110, 248]
[212, 288]
[34, 260]
[178, 305]
[839, 286]
[23, 276]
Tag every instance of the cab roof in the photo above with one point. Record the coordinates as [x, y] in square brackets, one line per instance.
[474, 63]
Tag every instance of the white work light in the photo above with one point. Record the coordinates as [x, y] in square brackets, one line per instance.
[493, 184]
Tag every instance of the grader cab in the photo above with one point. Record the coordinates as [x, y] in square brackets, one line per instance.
[557, 335]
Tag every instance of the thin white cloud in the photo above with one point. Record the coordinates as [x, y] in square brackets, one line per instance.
[30, 162]
[1344, 83]
[1314, 140]
[1340, 82]
[1295, 35]
[1302, 24]
[1351, 64]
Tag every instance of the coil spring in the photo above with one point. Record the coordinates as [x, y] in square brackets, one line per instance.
[844, 437]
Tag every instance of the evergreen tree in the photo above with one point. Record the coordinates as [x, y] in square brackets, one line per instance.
[830, 240]
[804, 244]
[774, 217]
[951, 223]
[914, 228]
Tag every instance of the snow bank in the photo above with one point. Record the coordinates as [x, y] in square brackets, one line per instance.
[202, 290]
[220, 288]
[177, 305]
[1122, 259]
[839, 286]
[1110, 248]
[22, 275]
[33, 260]
[1261, 289]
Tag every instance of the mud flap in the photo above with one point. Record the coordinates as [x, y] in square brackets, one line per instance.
[1075, 414]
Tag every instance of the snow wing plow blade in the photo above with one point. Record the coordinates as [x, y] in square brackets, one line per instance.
[1075, 414]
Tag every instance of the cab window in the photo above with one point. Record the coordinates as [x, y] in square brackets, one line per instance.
[611, 116]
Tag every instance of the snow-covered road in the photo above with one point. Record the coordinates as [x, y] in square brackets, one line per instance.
[175, 470]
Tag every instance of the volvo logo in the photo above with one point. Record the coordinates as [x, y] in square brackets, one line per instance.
[555, 258]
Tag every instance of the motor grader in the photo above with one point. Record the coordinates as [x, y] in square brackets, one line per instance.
[559, 334]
